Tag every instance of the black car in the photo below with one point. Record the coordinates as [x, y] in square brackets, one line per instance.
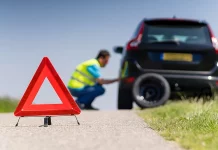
[166, 56]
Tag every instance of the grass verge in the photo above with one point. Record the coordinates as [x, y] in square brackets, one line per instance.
[7, 104]
[193, 125]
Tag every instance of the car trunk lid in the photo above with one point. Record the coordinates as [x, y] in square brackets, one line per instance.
[176, 45]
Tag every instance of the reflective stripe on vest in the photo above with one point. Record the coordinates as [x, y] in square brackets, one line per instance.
[90, 78]
[78, 80]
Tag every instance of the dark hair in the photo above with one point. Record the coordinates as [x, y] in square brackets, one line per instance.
[103, 53]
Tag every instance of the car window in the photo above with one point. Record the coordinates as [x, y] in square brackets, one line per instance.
[190, 34]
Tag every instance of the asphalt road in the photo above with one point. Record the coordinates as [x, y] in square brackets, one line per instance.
[105, 130]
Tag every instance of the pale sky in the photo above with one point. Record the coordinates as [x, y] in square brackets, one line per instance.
[69, 32]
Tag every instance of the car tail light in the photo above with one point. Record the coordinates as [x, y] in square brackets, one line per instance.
[129, 79]
[213, 39]
[215, 44]
[216, 83]
[133, 44]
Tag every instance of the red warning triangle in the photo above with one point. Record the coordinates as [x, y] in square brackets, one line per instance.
[26, 108]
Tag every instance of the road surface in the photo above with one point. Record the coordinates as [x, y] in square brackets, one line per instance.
[98, 130]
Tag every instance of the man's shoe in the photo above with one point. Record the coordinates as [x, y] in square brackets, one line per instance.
[90, 108]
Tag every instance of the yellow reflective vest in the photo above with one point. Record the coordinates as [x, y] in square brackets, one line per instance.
[81, 77]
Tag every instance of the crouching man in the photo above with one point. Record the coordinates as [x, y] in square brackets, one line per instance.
[86, 83]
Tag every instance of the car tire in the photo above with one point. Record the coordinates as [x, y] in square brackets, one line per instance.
[125, 100]
[153, 85]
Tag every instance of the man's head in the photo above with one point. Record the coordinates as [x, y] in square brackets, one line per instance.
[103, 57]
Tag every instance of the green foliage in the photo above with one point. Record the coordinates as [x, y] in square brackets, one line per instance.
[193, 125]
[7, 104]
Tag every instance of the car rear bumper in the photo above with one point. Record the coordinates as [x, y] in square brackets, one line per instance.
[178, 80]
[191, 82]
[182, 82]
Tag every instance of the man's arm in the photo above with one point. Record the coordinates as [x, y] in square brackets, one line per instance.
[94, 70]
[107, 81]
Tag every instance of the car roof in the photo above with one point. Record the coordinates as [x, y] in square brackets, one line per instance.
[175, 19]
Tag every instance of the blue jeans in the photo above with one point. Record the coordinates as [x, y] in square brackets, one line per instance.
[88, 94]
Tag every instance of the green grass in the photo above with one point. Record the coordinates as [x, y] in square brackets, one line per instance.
[7, 104]
[193, 125]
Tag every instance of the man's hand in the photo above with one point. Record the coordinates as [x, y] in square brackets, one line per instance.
[104, 81]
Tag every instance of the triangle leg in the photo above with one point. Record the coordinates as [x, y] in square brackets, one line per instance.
[17, 122]
[77, 120]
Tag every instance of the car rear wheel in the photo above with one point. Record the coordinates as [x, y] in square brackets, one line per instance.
[151, 90]
[125, 100]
